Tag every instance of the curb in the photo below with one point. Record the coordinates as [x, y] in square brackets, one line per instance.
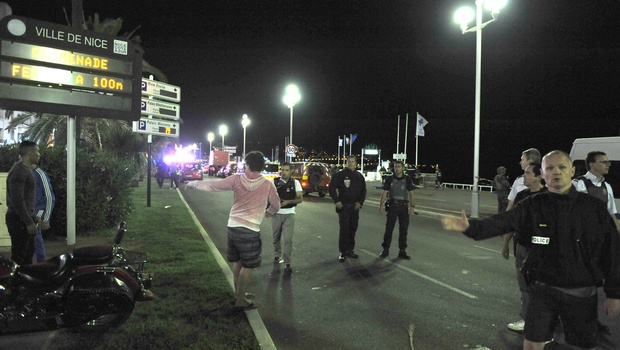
[256, 322]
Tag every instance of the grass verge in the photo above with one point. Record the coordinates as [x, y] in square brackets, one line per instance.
[193, 305]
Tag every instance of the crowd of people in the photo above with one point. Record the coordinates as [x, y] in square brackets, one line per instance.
[564, 230]
[566, 246]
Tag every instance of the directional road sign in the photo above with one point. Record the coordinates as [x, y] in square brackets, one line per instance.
[161, 91]
[159, 108]
[156, 127]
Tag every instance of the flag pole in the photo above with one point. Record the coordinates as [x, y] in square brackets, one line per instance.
[406, 131]
[398, 134]
[338, 159]
[350, 144]
[416, 140]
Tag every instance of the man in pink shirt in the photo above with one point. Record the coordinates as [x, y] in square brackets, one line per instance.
[252, 194]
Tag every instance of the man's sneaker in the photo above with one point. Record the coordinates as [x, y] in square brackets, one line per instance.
[276, 260]
[288, 269]
[384, 253]
[403, 255]
[342, 257]
[517, 326]
[351, 254]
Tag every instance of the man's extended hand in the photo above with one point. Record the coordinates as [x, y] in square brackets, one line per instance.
[455, 223]
[612, 307]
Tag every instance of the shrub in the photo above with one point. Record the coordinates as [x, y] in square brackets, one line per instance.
[103, 191]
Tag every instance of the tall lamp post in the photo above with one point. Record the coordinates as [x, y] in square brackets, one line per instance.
[245, 121]
[210, 138]
[463, 16]
[291, 97]
[223, 132]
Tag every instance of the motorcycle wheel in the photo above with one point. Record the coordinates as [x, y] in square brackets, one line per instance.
[100, 324]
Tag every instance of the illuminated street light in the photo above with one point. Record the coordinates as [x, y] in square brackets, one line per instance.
[223, 132]
[463, 16]
[210, 138]
[291, 97]
[245, 121]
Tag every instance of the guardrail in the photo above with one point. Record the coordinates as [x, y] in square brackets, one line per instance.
[469, 187]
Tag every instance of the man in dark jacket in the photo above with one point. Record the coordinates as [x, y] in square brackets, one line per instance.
[20, 221]
[571, 248]
[347, 189]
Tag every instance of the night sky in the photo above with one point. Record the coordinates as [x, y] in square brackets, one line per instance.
[549, 72]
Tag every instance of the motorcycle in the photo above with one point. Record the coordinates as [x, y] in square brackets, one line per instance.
[92, 290]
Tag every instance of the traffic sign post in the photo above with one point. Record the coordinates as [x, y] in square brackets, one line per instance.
[291, 150]
[161, 91]
[156, 127]
[160, 109]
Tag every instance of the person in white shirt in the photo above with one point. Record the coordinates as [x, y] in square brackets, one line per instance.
[529, 156]
[283, 222]
[592, 182]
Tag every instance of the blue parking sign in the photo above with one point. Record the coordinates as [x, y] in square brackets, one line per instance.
[141, 125]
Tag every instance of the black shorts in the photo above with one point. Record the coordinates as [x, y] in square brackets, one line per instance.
[244, 245]
[578, 314]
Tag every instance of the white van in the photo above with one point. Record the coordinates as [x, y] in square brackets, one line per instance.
[609, 145]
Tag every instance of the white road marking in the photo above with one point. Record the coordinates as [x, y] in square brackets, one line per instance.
[485, 248]
[428, 278]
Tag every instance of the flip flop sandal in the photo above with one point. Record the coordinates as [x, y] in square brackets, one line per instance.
[250, 306]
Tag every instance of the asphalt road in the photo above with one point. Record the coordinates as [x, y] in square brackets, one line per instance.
[454, 293]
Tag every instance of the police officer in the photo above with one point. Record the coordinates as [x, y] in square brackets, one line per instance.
[398, 191]
[347, 189]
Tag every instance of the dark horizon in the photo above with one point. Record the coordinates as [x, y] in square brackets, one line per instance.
[549, 73]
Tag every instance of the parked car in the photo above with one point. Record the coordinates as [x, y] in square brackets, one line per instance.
[272, 170]
[231, 169]
[313, 177]
[191, 171]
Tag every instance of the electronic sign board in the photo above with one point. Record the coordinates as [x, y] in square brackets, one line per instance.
[51, 68]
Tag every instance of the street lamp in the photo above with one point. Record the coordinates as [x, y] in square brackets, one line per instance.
[463, 16]
[223, 132]
[210, 138]
[245, 121]
[290, 99]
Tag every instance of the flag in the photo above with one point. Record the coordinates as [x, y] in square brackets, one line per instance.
[421, 123]
[353, 137]
[339, 142]
[346, 139]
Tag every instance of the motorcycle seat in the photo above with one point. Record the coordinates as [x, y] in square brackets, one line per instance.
[45, 272]
[92, 255]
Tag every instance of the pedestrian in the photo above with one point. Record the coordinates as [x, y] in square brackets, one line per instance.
[532, 179]
[530, 155]
[43, 207]
[438, 177]
[175, 174]
[571, 248]
[398, 192]
[502, 188]
[160, 175]
[593, 183]
[347, 189]
[283, 222]
[20, 198]
[383, 173]
[252, 194]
